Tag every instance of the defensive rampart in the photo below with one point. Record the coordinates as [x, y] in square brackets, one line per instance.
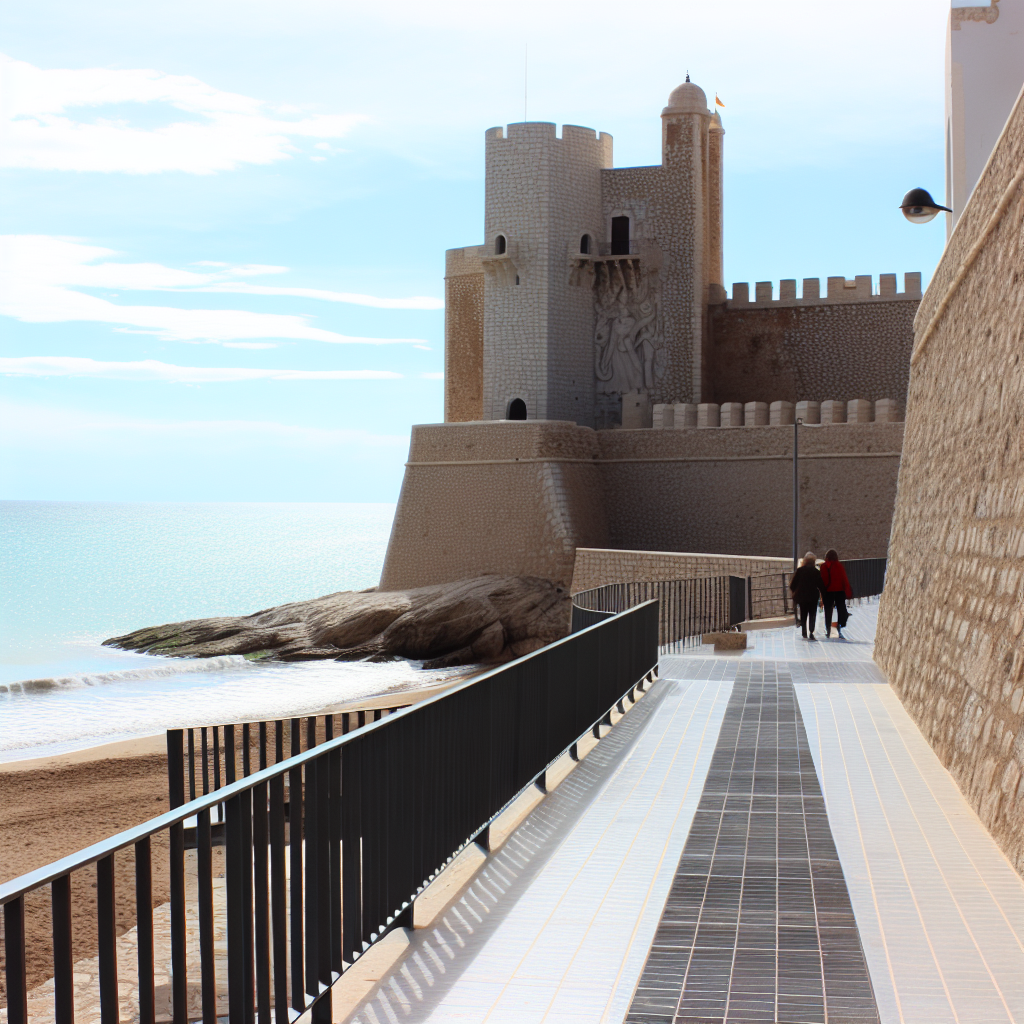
[951, 623]
[521, 497]
[596, 567]
[852, 342]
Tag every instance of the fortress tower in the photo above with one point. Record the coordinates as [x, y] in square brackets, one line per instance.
[543, 202]
[592, 281]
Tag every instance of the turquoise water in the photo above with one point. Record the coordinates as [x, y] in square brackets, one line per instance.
[74, 573]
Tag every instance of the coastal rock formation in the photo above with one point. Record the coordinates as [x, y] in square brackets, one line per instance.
[485, 619]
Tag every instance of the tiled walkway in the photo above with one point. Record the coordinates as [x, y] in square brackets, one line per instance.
[758, 925]
[558, 925]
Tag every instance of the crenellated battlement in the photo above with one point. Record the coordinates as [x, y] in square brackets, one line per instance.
[838, 290]
[547, 132]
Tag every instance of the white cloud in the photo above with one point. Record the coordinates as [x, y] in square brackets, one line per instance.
[219, 130]
[354, 298]
[153, 370]
[40, 276]
[43, 425]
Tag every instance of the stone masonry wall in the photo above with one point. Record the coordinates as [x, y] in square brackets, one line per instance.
[597, 566]
[951, 622]
[848, 344]
[463, 335]
[512, 497]
[521, 497]
[731, 490]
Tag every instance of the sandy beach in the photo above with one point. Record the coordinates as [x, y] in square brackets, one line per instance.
[55, 806]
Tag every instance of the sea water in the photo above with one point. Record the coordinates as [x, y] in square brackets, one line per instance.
[73, 574]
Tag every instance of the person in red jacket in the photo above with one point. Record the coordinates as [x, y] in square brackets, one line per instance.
[835, 589]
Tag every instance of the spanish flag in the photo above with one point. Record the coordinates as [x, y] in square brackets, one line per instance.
[718, 102]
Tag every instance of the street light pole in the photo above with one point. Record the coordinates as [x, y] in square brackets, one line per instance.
[796, 493]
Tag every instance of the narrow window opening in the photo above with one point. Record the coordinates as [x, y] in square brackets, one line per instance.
[499, 245]
[585, 245]
[620, 236]
[517, 409]
[517, 279]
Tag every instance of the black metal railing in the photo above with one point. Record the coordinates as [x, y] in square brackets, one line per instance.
[866, 575]
[211, 758]
[686, 608]
[374, 816]
[690, 607]
[770, 596]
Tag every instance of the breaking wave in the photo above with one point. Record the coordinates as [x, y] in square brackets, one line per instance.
[163, 671]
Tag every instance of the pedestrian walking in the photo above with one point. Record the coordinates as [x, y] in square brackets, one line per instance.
[835, 589]
[806, 589]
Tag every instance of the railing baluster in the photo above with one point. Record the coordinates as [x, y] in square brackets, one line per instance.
[207, 962]
[63, 962]
[261, 886]
[278, 892]
[351, 852]
[216, 769]
[334, 819]
[295, 854]
[312, 848]
[235, 910]
[106, 934]
[179, 990]
[144, 930]
[191, 764]
[230, 767]
[246, 751]
[14, 951]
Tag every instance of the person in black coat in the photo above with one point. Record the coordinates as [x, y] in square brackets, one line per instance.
[806, 587]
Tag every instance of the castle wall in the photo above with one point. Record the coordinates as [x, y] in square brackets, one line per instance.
[731, 490]
[464, 335]
[850, 343]
[514, 498]
[542, 194]
[951, 623]
[597, 566]
[520, 498]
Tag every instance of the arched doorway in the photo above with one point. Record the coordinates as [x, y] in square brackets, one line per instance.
[516, 409]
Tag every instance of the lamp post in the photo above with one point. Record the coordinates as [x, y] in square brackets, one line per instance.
[796, 492]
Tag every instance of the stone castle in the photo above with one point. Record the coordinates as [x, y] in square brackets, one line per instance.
[594, 311]
[595, 282]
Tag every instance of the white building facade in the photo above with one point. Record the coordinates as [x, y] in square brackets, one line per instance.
[984, 76]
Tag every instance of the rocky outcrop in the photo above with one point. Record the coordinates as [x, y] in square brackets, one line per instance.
[485, 619]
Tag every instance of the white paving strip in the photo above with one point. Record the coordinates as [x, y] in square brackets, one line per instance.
[940, 909]
[586, 878]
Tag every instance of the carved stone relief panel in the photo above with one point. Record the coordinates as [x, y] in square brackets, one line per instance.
[629, 343]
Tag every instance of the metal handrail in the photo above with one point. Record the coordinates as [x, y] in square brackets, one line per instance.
[375, 815]
[211, 762]
[687, 608]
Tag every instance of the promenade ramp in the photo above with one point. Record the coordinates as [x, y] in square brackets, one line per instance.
[765, 836]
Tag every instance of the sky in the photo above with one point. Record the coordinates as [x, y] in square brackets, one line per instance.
[223, 223]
